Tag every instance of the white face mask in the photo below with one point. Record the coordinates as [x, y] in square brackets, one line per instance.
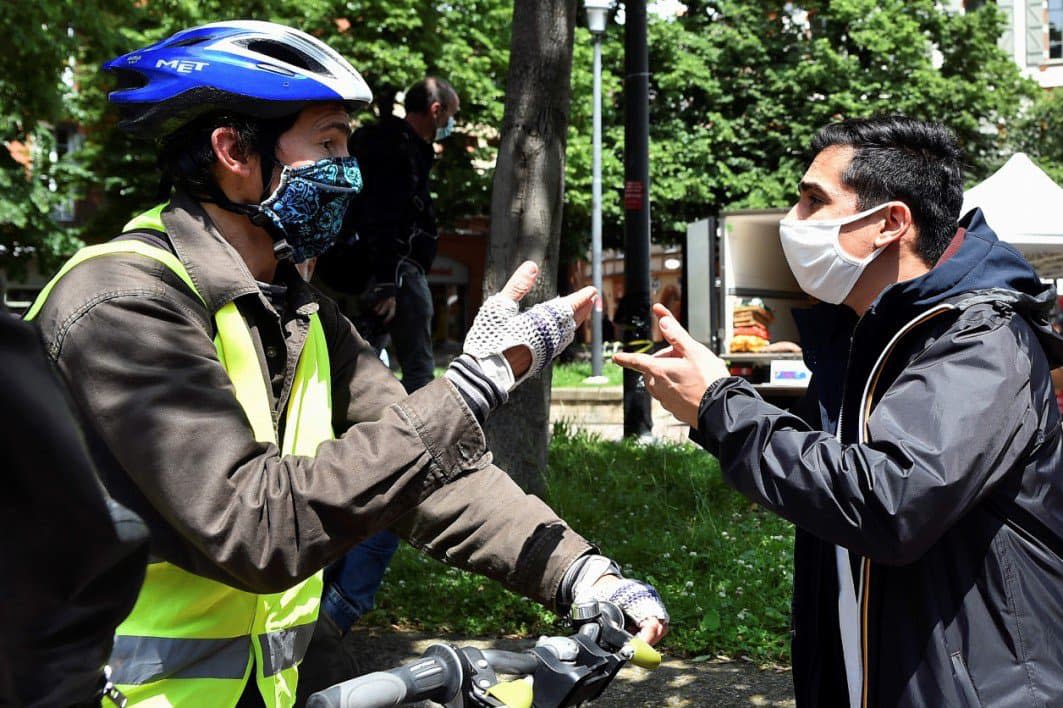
[822, 267]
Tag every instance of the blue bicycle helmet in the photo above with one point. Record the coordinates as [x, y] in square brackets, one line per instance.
[254, 68]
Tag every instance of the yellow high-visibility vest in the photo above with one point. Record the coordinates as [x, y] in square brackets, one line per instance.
[192, 641]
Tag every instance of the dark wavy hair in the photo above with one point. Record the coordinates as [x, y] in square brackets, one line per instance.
[186, 156]
[908, 160]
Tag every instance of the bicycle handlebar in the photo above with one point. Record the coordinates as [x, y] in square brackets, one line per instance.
[381, 689]
[513, 663]
[436, 676]
[564, 671]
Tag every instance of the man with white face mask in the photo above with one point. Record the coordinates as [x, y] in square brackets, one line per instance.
[923, 468]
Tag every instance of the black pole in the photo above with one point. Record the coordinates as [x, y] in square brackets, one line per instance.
[638, 420]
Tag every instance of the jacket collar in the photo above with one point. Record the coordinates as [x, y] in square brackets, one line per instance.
[219, 273]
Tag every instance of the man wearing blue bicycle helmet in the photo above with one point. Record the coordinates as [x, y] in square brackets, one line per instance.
[251, 426]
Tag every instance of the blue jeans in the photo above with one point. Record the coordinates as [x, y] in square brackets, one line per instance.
[351, 583]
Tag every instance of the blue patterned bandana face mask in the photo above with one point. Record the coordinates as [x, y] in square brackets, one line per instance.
[309, 204]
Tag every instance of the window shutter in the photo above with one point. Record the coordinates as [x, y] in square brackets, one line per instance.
[1035, 32]
[1007, 37]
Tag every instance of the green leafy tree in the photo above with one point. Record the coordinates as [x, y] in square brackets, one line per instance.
[48, 45]
[739, 87]
[53, 79]
[1039, 133]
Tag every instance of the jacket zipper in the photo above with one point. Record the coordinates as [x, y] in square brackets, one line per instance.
[862, 435]
[838, 436]
[865, 591]
[845, 383]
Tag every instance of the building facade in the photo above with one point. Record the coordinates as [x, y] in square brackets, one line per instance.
[1033, 36]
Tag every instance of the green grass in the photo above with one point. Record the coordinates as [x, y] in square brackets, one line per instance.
[566, 375]
[722, 564]
[569, 375]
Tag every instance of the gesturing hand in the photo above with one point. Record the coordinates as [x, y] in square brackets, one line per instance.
[678, 375]
[639, 601]
[523, 343]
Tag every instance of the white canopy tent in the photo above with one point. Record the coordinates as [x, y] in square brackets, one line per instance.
[1025, 208]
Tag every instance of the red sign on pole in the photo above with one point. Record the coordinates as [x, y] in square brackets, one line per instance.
[633, 195]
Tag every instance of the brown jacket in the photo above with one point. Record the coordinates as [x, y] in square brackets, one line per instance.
[135, 346]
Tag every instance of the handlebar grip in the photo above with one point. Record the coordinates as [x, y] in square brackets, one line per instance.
[643, 655]
[435, 676]
[377, 690]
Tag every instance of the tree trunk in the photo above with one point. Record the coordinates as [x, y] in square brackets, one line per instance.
[526, 204]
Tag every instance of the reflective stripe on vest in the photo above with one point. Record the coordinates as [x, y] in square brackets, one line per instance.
[190, 640]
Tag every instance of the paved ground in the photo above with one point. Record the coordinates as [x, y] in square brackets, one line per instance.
[677, 683]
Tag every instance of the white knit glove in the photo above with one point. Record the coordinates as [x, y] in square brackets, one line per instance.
[637, 599]
[545, 329]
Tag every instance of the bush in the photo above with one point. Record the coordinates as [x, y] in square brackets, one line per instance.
[663, 512]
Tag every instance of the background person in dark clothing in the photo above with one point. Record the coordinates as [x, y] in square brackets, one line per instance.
[395, 216]
[924, 470]
[72, 559]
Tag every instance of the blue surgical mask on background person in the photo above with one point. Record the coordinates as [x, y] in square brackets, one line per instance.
[310, 202]
[444, 132]
[819, 263]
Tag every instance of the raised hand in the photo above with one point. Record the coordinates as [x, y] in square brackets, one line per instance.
[524, 342]
[678, 375]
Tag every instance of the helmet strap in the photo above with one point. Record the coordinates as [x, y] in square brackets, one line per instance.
[268, 163]
[254, 212]
[281, 249]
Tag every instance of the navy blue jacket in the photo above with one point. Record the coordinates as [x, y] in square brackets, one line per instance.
[929, 446]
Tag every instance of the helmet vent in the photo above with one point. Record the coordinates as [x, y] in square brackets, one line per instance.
[129, 79]
[191, 41]
[286, 54]
[275, 69]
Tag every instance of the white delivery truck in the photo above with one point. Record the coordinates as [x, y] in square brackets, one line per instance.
[736, 262]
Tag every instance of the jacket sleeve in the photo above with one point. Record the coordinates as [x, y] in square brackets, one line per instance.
[482, 521]
[954, 422]
[234, 509]
[248, 516]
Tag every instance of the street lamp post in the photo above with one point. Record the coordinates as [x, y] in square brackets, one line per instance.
[638, 418]
[597, 19]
